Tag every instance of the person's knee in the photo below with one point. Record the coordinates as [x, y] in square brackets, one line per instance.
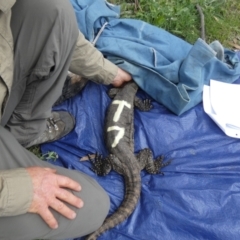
[46, 11]
[95, 209]
[45, 6]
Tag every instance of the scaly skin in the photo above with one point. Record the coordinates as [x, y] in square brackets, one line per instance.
[119, 140]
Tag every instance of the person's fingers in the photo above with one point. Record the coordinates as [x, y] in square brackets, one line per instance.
[121, 78]
[68, 183]
[63, 209]
[51, 190]
[68, 197]
[48, 217]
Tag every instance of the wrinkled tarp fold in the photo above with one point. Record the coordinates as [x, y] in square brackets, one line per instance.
[169, 69]
[198, 197]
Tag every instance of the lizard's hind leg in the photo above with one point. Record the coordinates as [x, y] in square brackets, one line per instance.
[146, 161]
[154, 167]
[100, 165]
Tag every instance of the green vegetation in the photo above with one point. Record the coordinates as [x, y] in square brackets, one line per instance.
[46, 156]
[181, 18]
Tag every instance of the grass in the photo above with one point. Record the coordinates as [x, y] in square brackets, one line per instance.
[46, 156]
[181, 18]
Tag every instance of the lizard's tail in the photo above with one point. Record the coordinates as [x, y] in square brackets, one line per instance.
[132, 193]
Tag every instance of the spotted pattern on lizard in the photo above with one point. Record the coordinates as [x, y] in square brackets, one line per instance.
[119, 134]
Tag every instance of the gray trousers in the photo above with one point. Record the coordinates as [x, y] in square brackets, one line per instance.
[44, 34]
[31, 226]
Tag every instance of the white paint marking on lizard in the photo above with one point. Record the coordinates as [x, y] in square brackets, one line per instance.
[119, 136]
[121, 104]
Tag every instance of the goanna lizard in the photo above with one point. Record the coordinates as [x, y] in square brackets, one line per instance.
[119, 134]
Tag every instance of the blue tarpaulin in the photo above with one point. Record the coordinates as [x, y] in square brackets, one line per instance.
[199, 195]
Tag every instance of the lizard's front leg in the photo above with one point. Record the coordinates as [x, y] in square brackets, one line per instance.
[143, 105]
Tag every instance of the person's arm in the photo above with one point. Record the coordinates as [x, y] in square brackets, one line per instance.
[88, 62]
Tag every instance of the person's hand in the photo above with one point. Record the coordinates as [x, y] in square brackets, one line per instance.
[50, 191]
[121, 78]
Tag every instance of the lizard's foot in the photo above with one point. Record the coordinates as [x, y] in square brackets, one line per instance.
[147, 162]
[143, 105]
[100, 165]
[159, 164]
[153, 167]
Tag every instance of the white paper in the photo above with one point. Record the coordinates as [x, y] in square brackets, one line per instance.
[221, 101]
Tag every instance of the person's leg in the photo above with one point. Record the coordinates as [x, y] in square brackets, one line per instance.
[45, 33]
[31, 226]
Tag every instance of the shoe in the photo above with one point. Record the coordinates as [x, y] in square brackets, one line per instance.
[72, 86]
[57, 126]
